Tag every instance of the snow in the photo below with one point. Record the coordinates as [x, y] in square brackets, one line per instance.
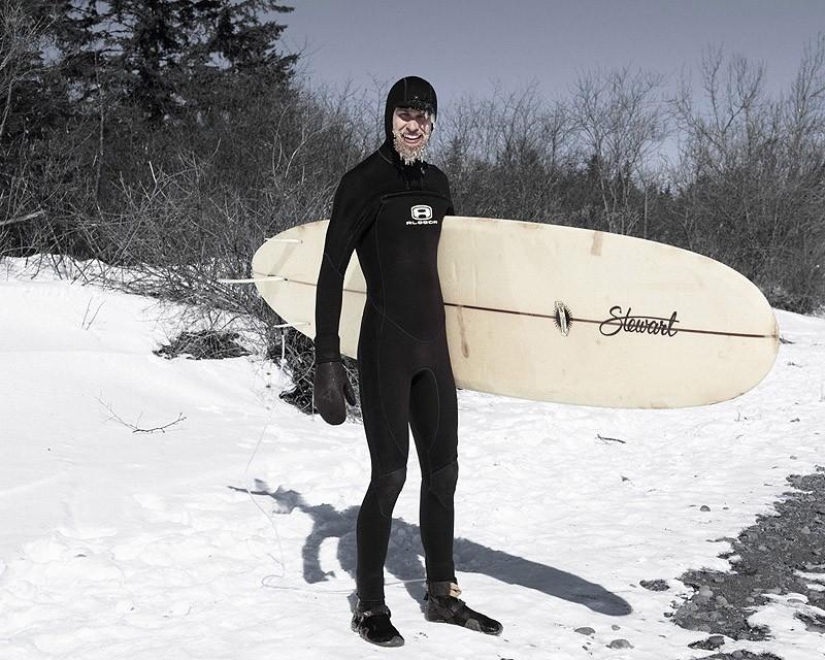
[130, 545]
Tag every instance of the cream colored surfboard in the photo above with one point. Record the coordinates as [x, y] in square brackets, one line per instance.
[562, 314]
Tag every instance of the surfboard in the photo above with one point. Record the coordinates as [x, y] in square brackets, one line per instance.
[562, 314]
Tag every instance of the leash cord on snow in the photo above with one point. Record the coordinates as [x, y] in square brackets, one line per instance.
[280, 562]
[267, 583]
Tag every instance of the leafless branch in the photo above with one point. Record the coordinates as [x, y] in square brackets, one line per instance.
[23, 218]
[135, 428]
[607, 439]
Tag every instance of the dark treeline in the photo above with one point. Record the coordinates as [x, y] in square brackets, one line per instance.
[173, 136]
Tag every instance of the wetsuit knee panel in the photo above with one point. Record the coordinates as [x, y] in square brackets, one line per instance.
[388, 488]
[443, 483]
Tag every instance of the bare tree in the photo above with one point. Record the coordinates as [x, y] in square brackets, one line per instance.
[505, 155]
[17, 34]
[620, 125]
[751, 175]
[20, 65]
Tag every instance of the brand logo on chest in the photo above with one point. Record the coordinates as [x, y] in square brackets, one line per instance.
[421, 214]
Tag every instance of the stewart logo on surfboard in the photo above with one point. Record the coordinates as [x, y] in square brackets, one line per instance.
[621, 321]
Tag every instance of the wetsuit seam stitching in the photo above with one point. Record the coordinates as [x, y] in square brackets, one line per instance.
[378, 257]
[437, 413]
[379, 338]
[420, 340]
[377, 244]
[381, 395]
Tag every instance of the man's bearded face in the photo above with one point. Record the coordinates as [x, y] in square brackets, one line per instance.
[411, 131]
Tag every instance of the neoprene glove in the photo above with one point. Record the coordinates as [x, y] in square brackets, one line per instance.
[331, 388]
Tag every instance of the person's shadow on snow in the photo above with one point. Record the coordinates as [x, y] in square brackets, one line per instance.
[404, 559]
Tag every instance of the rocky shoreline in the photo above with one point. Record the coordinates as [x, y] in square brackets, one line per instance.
[768, 558]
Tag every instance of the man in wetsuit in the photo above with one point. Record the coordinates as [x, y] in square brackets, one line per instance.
[389, 208]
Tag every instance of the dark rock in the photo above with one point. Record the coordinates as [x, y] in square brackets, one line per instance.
[710, 644]
[654, 585]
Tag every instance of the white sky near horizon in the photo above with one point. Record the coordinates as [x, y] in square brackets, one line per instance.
[468, 47]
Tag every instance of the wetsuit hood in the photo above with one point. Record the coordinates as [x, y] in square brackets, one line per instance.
[409, 92]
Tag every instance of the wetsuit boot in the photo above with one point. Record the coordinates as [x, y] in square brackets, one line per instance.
[445, 606]
[373, 623]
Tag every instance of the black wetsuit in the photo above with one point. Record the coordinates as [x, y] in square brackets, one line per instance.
[391, 214]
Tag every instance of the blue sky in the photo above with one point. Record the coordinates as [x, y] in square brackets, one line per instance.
[467, 46]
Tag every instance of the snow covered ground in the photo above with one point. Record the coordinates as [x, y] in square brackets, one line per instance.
[118, 544]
